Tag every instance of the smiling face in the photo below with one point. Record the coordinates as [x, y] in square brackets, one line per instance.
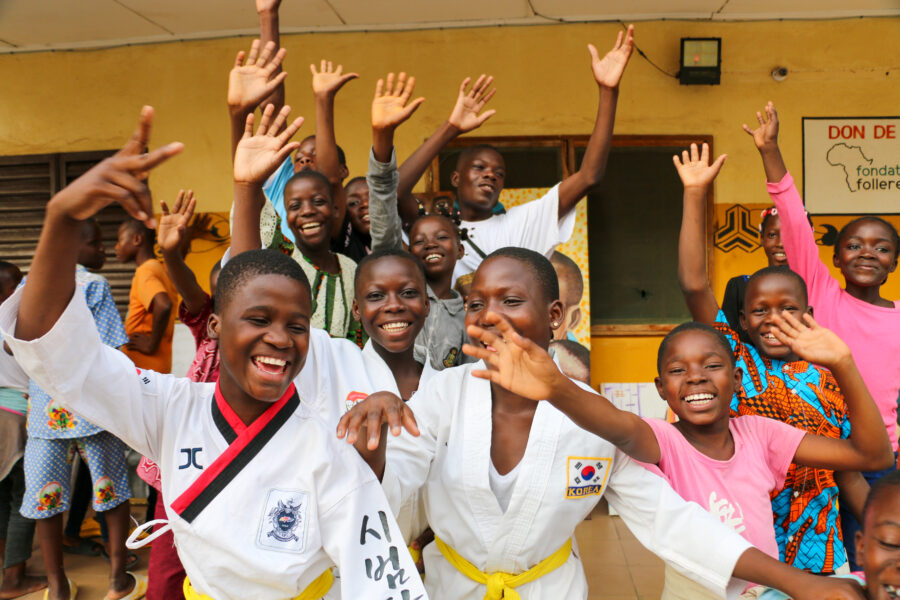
[865, 254]
[770, 240]
[765, 297]
[434, 241]
[512, 289]
[358, 205]
[697, 377]
[478, 179]
[878, 546]
[310, 212]
[263, 333]
[305, 158]
[391, 302]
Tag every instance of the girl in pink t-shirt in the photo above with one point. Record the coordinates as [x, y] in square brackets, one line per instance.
[727, 465]
[866, 252]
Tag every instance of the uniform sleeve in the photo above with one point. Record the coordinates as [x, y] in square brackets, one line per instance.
[363, 539]
[103, 306]
[101, 384]
[148, 285]
[197, 322]
[797, 237]
[536, 225]
[409, 458]
[780, 442]
[384, 220]
[679, 532]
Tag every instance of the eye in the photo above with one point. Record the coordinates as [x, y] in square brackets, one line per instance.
[675, 370]
[714, 365]
[258, 321]
[758, 311]
[882, 250]
[417, 242]
[297, 328]
[500, 173]
[853, 246]
[512, 301]
[352, 203]
[474, 305]
[374, 296]
[410, 293]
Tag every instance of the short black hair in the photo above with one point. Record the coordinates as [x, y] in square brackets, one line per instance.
[148, 236]
[887, 484]
[384, 253]
[10, 271]
[342, 157]
[449, 221]
[784, 271]
[582, 354]
[572, 273]
[892, 232]
[468, 151]
[310, 174]
[693, 326]
[538, 263]
[89, 227]
[255, 263]
[354, 181]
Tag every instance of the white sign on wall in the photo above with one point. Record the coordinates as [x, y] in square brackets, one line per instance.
[851, 165]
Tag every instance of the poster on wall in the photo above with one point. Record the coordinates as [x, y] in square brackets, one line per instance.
[572, 341]
[851, 165]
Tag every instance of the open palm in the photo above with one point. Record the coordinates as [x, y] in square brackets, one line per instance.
[258, 155]
[250, 83]
[767, 132]
[173, 225]
[465, 115]
[694, 168]
[608, 70]
[329, 79]
[809, 340]
[391, 105]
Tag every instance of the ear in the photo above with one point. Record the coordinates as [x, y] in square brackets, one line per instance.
[213, 325]
[427, 305]
[659, 387]
[743, 320]
[809, 310]
[574, 318]
[860, 548]
[460, 251]
[893, 265]
[344, 172]
[738, 378]
[834, 259]
[557, 312]
[355, 310]
[454, 179]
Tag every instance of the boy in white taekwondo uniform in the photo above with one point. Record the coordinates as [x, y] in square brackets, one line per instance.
[484, 549]
[265, 500]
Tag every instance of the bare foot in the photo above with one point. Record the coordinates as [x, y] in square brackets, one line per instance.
[121, 588]
[22, 586]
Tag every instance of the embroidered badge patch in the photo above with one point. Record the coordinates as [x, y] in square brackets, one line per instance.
[354, 398]
[586, 476]
[283, 525]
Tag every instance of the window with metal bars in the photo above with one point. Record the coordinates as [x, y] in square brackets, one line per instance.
[26, 185]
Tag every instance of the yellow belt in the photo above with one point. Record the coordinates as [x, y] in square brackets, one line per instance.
[499, 584]
[315, 590]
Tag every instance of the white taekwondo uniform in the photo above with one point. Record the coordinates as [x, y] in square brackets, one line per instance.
[561, 476]
[294, 500]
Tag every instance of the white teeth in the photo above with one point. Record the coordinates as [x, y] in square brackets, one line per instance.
[392, 327]
[365, 219]
[699, 398]
[769, 337]
[310, 226]
[433, 258]
[269, 360]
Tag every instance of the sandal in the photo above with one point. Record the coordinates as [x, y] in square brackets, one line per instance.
[131, 559]
[84, 548]
[73, 590]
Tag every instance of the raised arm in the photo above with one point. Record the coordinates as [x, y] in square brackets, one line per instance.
[257, 156]
[367, 423]
[522, 367]
[268, 32]
[390, 108]
[464, 118]
[868, 447]
[250, 82]
[119, 178]
[607, 73]
[170, 236]
[326, 82]
[697, 175]
[766, 139]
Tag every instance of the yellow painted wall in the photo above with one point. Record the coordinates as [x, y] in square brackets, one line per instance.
[72, 101]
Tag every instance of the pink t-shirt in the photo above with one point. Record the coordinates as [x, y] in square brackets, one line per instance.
[872, 332]
[734, 490]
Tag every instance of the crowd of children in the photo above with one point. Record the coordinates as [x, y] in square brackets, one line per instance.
[377, 407]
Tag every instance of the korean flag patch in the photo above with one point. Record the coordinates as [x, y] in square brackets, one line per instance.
[586, 476]
[283, 524]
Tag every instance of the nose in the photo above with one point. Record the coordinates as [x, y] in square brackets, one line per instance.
[277, 337]
[307, 209]
[696, 374]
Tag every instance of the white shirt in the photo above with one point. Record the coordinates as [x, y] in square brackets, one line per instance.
[327, 500]
[563, 473]
[534, 225]
[502, 485]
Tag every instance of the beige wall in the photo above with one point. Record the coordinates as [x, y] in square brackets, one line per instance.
[71, 101]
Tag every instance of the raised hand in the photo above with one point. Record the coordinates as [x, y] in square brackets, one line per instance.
[608, 70]
[267, 5]
[173, 225]
[766, 135]
[328, 80]
[513, 362]
[250, 82]
[119, 178]
[465, 115]
[694, 168]
[810, 341]
[391, 105]
[258, 155]
[366, 418]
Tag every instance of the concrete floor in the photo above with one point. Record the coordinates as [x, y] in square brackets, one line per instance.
[617, 566]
